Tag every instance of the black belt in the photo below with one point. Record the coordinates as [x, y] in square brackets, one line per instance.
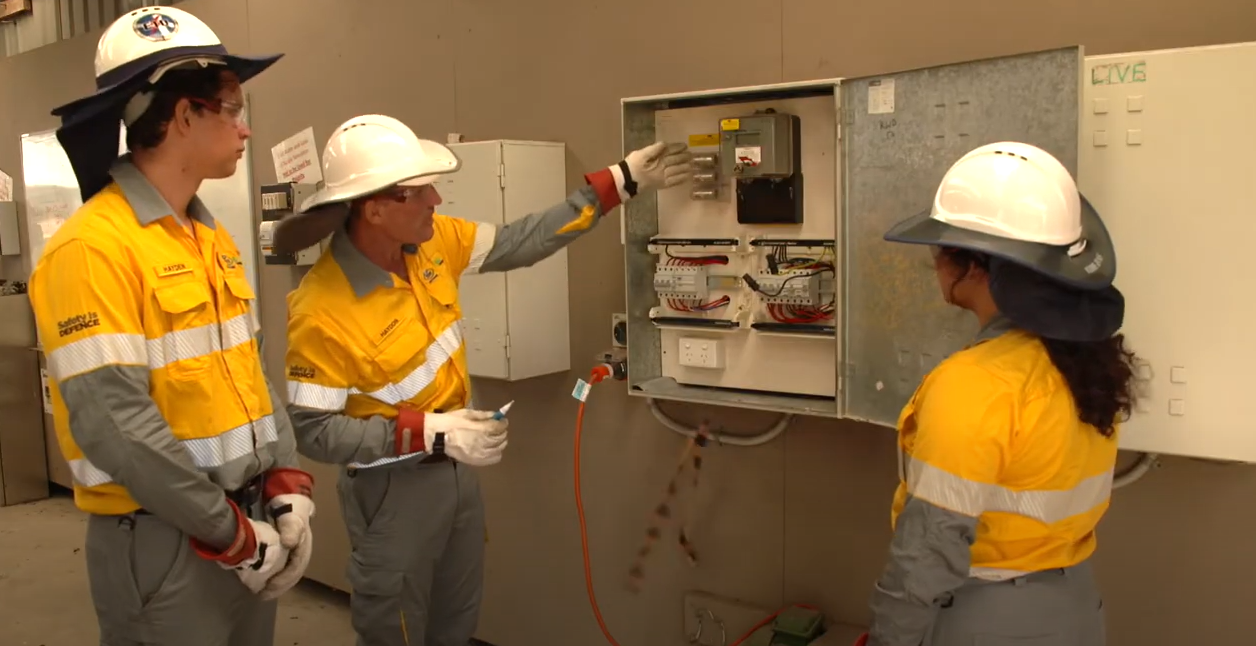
[245, 497]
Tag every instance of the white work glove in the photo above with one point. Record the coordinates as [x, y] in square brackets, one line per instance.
[659, 165]
[267, 559]
[472, 437]
[292, 513]
[290, 575]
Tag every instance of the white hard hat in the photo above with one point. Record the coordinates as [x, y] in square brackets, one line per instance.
[364, 155]
[144, 44]
[370, 153]
[133, 53]
[1017, 202]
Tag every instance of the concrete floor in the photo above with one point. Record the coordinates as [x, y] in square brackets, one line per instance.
[43, 586]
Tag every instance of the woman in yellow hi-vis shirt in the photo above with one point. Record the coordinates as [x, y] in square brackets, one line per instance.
[1008, 447]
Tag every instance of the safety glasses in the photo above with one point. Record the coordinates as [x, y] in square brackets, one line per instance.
[232, 110]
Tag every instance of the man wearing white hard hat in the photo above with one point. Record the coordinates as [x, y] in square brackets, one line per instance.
[198, 510]
[1008, 446]
[377, 372]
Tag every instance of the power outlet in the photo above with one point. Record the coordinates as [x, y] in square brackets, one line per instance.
[619, 330]
[718, 621]
[696, 352]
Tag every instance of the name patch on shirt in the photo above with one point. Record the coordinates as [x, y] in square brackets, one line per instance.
[389, 329]
[173, 269]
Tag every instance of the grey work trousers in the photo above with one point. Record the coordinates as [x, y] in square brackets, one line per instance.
[151, 589]
[416, 529]
[1060, 607]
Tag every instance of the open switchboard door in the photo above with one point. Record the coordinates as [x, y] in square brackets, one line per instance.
[900, 134]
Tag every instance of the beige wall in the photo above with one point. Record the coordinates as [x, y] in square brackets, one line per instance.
[804, 518]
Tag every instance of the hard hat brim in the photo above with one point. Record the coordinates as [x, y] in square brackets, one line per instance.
[90, 130]
[1094, 268]
[302, 230]
[325, 212]
[121, 84]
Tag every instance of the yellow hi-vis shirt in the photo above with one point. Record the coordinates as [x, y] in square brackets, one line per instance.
[149, 333]
[364, 343]
[992, 433]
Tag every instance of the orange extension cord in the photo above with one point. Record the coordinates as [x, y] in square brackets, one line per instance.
[599, 373]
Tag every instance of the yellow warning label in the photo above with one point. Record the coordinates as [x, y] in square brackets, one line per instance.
[730, 124]
[712, 139]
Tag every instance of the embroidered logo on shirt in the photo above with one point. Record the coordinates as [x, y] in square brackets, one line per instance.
[230, 262]
[429, 274]
[173, 269]
[438, 261]
[78, 323]
[300, 372]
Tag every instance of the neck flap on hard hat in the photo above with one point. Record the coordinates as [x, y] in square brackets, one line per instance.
[90, 133]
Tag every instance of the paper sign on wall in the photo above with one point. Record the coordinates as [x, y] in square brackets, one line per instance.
[881, 97]
[6, 187]
[296, 159]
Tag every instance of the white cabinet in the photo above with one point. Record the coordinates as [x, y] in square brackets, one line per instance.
[1166, 160]
[515, 324]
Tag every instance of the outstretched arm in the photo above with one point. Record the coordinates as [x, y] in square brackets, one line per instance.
[537, 236]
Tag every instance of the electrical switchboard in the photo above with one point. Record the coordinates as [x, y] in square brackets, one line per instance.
[764, 282]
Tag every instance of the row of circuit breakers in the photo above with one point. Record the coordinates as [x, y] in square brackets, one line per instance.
[770, 283]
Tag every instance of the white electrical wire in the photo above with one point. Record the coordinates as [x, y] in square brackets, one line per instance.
[1132, 474]
[732, 440]
[1135, 471]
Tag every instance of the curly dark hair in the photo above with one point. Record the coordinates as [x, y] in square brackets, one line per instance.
[1099, 374]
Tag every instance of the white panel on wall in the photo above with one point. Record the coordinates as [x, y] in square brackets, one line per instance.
[1165, 159]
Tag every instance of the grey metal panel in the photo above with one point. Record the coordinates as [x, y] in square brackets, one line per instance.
[641, 222]
[17, 322]
[23, 462]
[897, 324]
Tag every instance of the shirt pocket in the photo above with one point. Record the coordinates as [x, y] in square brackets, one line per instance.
[190, 335]
[444, 292]
[239, 318]
[402, 359]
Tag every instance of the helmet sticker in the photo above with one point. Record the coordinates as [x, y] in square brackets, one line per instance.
[156, 26]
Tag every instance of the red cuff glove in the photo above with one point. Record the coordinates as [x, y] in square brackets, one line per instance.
[603, 183]
[408, 438]
[243, 547]
[280, 481]
[289, 496]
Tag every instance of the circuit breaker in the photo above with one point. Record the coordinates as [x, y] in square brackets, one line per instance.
[278, 200]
